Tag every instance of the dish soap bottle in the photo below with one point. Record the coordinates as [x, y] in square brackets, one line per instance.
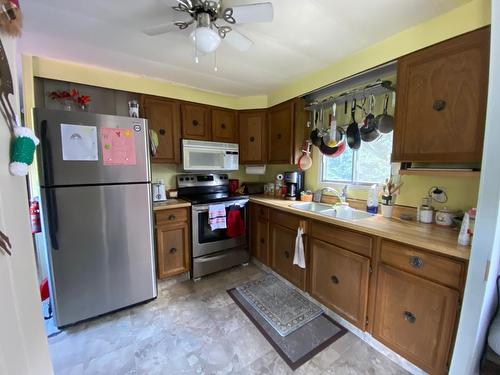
[372, 201]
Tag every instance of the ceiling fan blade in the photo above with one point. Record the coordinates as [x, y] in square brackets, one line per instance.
[260, 12]
[160, 29]
[238, 41]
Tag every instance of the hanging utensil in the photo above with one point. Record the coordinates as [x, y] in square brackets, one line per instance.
[315, 134]
[369, 131]
[330, 137]
[353, 135]
[385, 122]
[305, 161]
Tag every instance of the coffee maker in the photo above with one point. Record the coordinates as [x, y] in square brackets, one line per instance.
[294, 182]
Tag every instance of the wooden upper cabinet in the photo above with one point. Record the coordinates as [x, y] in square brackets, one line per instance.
[252, 132]
[441, 101]
[339, 279]
[415, 318]
[164, 118]
[196, 122]
[280, 140]
[224, 127]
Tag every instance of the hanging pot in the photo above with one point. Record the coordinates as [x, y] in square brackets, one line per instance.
[369, 131]
[385, 122]
[352, 133]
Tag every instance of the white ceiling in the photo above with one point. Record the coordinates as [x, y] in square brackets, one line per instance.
[306, 35]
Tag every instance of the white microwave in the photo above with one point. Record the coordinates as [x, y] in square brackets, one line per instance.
[209, 156]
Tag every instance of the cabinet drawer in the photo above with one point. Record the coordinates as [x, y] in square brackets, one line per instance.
[356, 242]
[171, 216]
[434, 267]
[285, 220]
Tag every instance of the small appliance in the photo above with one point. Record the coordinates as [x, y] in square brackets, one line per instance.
[209, 156]
[159, 193]
[294, 182]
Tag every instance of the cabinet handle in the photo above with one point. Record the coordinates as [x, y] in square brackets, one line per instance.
[252, 139]
[171, 217]
[278, 135]
[334, 279]
[287, 254]
[416, 262]
[162, 131]
[223, 126]
[409, 317]
[173, 250]
[195, 123]
[262, 241]
[439, 105]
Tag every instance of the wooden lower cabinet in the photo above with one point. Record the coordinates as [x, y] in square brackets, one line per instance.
[415, 317]
[172, 243]
[259, 235]
[282, 242]
[339, 279]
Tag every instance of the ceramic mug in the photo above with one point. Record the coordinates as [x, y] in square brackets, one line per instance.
[387, 210]
[444, 217]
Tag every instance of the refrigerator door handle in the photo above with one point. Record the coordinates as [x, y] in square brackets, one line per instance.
[52, 218]
[46, 152]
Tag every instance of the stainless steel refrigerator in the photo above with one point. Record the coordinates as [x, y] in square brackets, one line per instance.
[95, 184]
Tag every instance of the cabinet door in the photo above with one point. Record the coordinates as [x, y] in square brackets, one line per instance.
[441, 101]
[196, 122]
[262, 239]
[252, 128]
[172, 249]
[283, 250]
[415, 318]
[224, 127]
[280, 141]
[164, 118]
[340, 280]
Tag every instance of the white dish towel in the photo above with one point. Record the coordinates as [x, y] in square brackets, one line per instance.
[217, 216]
[299, 258]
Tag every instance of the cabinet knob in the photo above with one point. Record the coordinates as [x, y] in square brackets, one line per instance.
[195, 123]
[439, 105]
[409, 317]
[162, 131]
[223, 126]
[252, 139]
[287, 254]
[278, 135]
[416, 262]
[171, 217]
[173, 250]
[334, 279]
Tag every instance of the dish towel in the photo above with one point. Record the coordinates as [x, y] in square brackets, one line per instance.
[299, 257]
[235, 223]
[217, 216]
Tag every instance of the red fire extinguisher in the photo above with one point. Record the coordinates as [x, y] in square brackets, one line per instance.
[35, 217]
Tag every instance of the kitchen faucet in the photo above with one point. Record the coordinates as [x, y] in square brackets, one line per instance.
[342, 196]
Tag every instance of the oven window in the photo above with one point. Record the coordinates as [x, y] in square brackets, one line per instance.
[205, 234]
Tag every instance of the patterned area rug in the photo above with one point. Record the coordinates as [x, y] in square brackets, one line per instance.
[285, 309]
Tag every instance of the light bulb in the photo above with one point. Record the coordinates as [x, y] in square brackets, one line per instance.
[205, 39]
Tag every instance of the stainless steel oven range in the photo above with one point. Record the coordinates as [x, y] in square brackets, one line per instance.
[213, 250]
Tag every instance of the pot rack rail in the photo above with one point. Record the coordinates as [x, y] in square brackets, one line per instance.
[376, 88]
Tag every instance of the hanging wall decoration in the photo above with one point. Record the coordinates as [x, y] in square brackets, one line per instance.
[11, 17]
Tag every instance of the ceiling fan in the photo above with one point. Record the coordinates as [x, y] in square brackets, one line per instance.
[213, 23]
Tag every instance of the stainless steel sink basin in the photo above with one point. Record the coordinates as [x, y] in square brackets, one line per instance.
[351, 214]
[311, 207]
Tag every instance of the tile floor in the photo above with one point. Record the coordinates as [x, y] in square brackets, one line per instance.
[195, 328]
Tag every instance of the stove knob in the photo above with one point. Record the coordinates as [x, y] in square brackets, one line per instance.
[181, 179]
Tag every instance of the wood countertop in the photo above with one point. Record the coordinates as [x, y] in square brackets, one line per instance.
[169, 204]
[441, 240]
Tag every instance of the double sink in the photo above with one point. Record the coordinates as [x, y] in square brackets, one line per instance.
[335, 211]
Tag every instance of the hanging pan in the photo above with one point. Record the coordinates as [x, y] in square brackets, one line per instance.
[353, 135]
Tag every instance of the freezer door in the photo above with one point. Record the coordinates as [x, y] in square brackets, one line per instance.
[71, 151]
[100, 248]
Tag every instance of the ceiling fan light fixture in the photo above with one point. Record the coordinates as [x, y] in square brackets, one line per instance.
[205, 39]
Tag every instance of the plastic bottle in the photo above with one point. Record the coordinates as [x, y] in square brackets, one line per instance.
[464, 237]
[372, 201]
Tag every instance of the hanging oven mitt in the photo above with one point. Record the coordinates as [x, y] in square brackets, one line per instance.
[22, 151]
[299, 257]
[154, 142]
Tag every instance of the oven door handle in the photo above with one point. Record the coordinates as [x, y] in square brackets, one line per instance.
[204, 207]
